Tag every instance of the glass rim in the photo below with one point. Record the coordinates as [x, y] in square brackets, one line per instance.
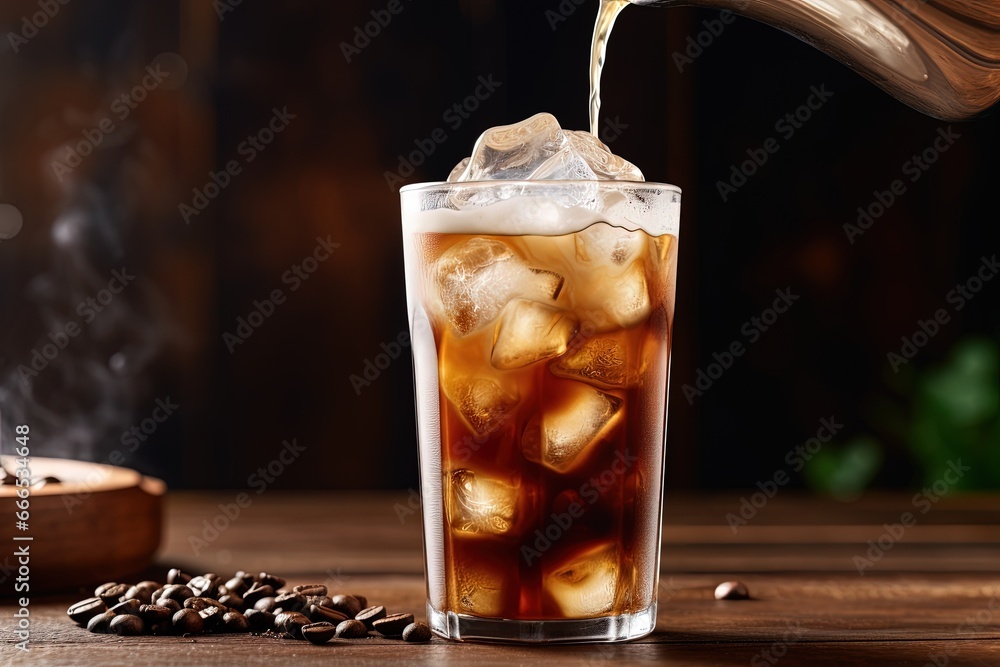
[431, 185]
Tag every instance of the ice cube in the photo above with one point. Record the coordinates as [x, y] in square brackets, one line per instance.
[610, 248]
[483, 581]
[562, 436]
[539, 149]
[585, 584]
[625, 299]
[476, 279]
[601, 361]
[528, 332]
[481, 402]
[478, 504]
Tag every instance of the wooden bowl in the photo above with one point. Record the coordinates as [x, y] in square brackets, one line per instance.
[100, 524]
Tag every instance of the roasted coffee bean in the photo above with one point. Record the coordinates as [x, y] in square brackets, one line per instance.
[143, 595]
[362, 600]
[263, 604]
[103, 588]
[319, 613]
[370, 615]
[260, 621]
[199, 603]
[112, 594]
[101, 622]
[417, 632]
[257, 592]
[731, 590]
[127, 607]
[173, 605]
[84, 610]
[154, 613]
[127, 625]
[178, 592]
[234, 621]
[351, 629]
[274, 582]
[319, 633]
[175, 576]
[392, 626]
[348, 604]
[148, 585]
[310, 589]
[212, 616]
[236, 585]
[232, 600]
[188, 621]
[290, 622]
[206, 585]
[319, 601]
[160, 629]
[290, 601]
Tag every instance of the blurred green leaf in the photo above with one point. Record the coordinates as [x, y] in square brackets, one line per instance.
[844, 472]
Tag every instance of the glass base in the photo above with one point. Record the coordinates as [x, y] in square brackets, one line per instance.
[460, 627]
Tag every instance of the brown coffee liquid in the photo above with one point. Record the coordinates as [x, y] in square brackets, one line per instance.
[552, 468]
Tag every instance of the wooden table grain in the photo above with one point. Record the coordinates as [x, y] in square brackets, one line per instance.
[929, 597]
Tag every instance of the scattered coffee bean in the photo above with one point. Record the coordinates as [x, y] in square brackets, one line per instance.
[417, 632]
[206, 585]
[127, 625]
[290, 601]
[392, 626]
[200, 603]
[310, 589]
[178, 592]
[101, 622]
[362, 600]
[175, 576]
[234, 621]
[188, 621]
[143, 595]
[370, 615]
[112, 594]
[232, 600]
[732, 590]
[83, 611]
[263, 604]
[160, 629]
[212, 616]
[260, 621]
[348, 604]
[290, 622]
[319, 601]
[352, 629]
[103, 588]
[270, 580]
[257, 591]
[155, 613]
[173, 605]
[127, 607]
[319, 613]
[319, 633]
[148, 585]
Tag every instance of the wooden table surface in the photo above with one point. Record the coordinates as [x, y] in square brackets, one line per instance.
[933, 598]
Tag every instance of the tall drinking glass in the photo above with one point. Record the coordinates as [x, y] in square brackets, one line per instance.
[541, 319]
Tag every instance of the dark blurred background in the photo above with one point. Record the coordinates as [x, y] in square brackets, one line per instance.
[318, 122]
